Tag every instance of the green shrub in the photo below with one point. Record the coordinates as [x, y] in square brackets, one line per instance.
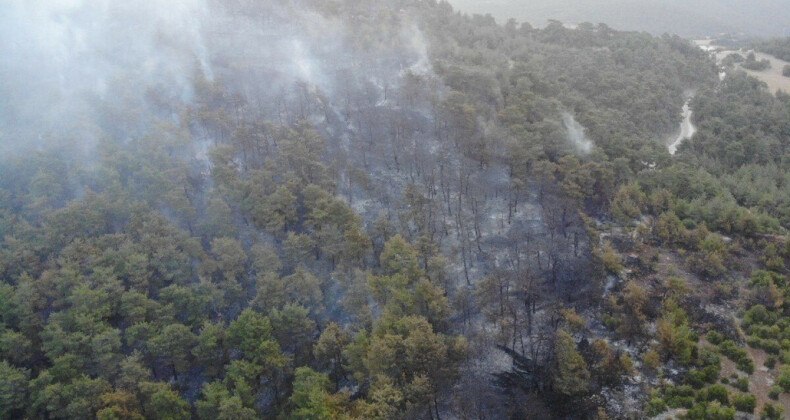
[771, 347]
[746, 365]
[628, 203]
[770, 362]
[737, 355]
[612, 262]
[710, 374]
[728, 348]
[765, 338]
[655, 407]
[698, 378]
[771, 412]
[710, 410]
[715, 393]
[745, 403]
[761, 278]
[715, 337]
[610, 322]
[758, 315]
[679, 396]
[709, 358]
[775, 391]
[741, 385]
[784, 378]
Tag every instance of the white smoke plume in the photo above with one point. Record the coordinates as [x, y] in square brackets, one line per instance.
[576, 135]
[79, 70]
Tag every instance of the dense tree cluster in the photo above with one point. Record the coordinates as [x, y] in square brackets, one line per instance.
[779, 48]
[751, 63]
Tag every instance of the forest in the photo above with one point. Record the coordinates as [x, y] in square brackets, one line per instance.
[778, 47]
[331, 209]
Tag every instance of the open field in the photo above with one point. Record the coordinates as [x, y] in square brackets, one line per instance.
[771, 76]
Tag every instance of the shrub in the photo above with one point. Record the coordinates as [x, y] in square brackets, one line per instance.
[735, 58]
[574, 321]
[745, 364]
[699, 377]
[756, 65]
[784, 378]
[711, 373]
[707, 264]
[709, 358]
[670, 229]
[611, 261]
[770, 346]
[628, 203]
[745, 403]
[626, 364]
[655, 407]
[715, 393]
[710, 410]
[741, 385]
[754, 341]
[737, 355]
[610, 322]
[761, 278]
[775, 391]
[679, 396]
[758, 315]
[651, 361]
[770, 362]
[715, 337]
[771, 412]
[675, 337]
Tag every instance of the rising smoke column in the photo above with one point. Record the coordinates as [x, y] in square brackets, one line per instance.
[80, 70]
[576, 135]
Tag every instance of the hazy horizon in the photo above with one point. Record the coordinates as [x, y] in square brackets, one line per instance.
[696, 18]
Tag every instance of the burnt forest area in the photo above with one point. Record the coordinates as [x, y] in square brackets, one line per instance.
[329, 209]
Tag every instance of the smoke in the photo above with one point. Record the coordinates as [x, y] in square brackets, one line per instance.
[687, 129]
[416, 42]
[74, 71]
[576, 134]
[63, 57]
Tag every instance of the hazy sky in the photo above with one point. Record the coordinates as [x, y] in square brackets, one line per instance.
[689, 18]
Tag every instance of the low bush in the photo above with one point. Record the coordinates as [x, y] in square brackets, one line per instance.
[745, 403]
[771, 412]
[741, 384]
[775, 392]
[655, 407]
